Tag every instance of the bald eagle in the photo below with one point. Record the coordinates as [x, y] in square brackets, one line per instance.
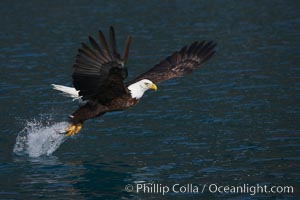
[99, 73]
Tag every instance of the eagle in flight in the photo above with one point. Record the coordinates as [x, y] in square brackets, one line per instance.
[99, 75]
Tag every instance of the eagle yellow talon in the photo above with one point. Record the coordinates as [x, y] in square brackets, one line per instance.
[73, 129]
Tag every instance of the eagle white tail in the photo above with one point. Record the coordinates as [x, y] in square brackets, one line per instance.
[67, 91]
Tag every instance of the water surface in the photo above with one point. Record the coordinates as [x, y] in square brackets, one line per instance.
[235, 121]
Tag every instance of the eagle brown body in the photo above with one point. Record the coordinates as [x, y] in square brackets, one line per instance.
[92, 110]
[99, 74]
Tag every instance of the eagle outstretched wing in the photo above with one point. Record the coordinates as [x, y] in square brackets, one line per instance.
[181, 62]
[99, 72]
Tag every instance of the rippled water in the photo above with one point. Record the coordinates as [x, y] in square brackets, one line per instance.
[234, 122]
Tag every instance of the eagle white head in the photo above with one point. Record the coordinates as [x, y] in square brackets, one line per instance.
[137, 89]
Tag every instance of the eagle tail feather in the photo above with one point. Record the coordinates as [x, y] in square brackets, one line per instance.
[67, 91]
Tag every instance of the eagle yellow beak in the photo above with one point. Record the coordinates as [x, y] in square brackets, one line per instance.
[153, 87]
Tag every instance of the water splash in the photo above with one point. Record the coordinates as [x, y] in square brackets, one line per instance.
[38, 139]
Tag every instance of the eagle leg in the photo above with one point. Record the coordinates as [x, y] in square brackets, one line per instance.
[72, 129]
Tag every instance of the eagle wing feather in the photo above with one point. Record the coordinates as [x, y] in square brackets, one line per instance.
[99, 72]
[179, 63]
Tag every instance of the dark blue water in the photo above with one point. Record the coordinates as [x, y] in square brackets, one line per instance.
[234, 122]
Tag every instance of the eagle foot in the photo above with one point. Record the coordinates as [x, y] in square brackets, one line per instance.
[72, 129]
